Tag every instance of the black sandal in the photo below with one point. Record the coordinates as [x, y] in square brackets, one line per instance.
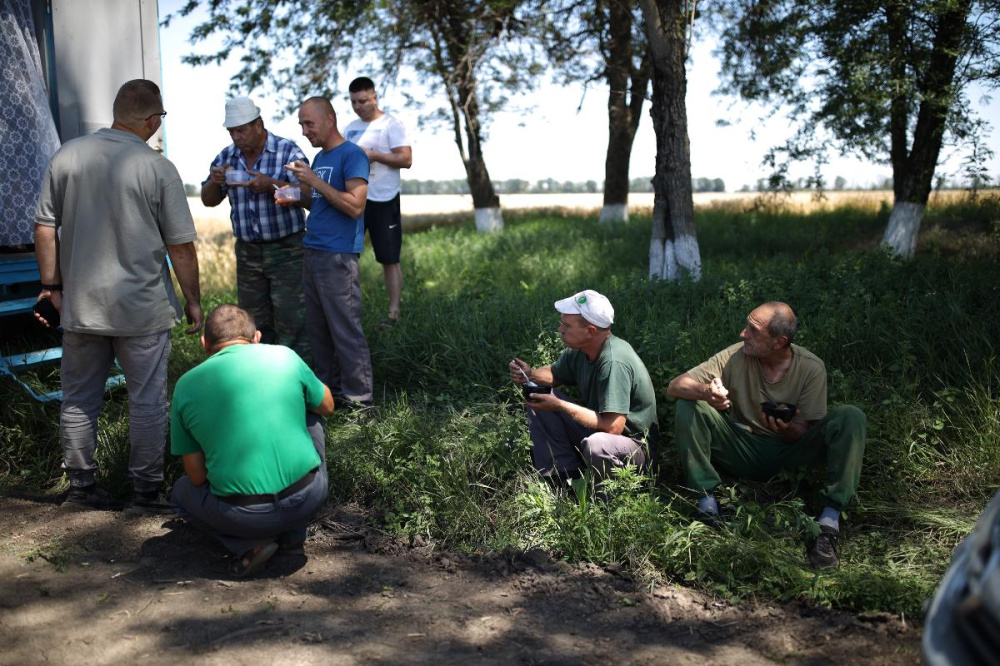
[252, 560]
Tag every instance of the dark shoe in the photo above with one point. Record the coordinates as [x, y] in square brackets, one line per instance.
[89, 498]
[823, 551]
[711, 520]
[252, 561]
[292, 549]
[343, 404]
[150, 503]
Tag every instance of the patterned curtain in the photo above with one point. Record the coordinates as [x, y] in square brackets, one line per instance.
[28, 137]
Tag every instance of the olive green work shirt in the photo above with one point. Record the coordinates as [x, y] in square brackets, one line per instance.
[803, 385]
[615, 382]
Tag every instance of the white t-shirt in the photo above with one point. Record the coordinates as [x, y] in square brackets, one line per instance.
[381, 135]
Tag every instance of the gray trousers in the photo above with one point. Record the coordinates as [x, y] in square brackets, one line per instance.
[561, 447]
[86, 362]
[333, 321]
[240, 528]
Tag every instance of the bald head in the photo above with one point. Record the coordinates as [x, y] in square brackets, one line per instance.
[322, 104]
[319, 123]
[781, 320]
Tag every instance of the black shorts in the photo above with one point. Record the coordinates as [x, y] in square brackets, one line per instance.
[385, 229]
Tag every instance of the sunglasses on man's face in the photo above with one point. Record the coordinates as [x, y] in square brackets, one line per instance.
[160, 114]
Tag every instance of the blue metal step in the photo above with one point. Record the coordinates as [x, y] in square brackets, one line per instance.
[17, 306]
[9, 365]
[32, 359]
[18, 268]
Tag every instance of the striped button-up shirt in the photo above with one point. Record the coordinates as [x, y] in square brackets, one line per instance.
[256, 218]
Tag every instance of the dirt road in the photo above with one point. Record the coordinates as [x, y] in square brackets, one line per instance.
[108, 588]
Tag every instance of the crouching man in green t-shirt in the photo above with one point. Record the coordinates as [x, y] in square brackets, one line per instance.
[254, 460]
[721, 420]
[616, 424]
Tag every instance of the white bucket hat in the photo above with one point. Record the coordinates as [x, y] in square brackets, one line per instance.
[590, 305]
[240, 111]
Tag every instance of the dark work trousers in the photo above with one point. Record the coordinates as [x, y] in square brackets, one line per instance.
[561, 447]
[269, 287]
[706, 438]
[241, 528]
[333, 319]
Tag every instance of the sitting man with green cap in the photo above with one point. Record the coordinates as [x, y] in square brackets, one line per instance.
[245, 423]
[616, 423]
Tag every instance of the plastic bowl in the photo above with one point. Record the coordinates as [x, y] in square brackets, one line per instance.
[530, 389]
[288, 193]
[237, 176]
[782, 411]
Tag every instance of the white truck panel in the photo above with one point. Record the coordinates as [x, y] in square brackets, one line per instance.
[97, 49]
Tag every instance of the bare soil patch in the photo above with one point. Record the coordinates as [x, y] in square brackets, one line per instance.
[109, 588]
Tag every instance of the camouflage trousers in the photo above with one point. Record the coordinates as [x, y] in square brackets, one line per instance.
[269, 287]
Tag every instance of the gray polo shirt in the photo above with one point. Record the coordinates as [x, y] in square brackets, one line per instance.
[117, 204]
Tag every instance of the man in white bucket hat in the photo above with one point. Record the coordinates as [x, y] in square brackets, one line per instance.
[268, 237]
[616, 424]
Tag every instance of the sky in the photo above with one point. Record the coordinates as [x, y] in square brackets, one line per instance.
[563, 135]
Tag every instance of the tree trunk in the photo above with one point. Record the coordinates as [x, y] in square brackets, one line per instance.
[454, 64]
[484, 197]
[913, 170]
[626, 94]
[673, 248]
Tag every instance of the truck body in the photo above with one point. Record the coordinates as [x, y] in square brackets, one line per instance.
[61, 64]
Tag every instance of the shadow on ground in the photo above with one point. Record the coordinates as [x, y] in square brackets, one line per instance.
[110, 588]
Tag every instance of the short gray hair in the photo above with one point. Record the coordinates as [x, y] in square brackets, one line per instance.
[137, 100]
[783, 323]
[227, 323]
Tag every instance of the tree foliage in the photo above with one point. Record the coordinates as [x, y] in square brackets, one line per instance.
[885, 79]
[472, 55]
[839, 66]
[603, 43]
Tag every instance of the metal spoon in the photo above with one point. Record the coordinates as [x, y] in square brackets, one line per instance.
[526, 377]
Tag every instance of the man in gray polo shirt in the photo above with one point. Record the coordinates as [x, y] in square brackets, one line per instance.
[111, 210]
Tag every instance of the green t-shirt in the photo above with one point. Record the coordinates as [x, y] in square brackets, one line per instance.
[804, 384]
[245, 408]
[616, 382]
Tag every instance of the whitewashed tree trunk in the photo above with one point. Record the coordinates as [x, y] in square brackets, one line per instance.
[614, 213]
[670, 259]
[673, 247]
[904, 226]
[489, 219]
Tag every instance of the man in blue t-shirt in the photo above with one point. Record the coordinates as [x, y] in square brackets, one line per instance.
[335, 191]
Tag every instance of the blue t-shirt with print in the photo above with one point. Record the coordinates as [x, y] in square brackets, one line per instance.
[328, 228]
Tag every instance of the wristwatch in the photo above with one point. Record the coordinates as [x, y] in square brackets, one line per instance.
[52, 287]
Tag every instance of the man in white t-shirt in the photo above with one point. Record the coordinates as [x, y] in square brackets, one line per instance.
[387, 145]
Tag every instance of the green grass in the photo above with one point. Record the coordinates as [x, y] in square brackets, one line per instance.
[914, 344]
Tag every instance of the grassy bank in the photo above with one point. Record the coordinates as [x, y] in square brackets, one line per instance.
[913, 344]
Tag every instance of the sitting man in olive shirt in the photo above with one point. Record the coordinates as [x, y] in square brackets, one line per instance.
[616, 424]
[253, 457]
[720, 421]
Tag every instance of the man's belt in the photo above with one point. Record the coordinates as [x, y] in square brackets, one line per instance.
[248, 500]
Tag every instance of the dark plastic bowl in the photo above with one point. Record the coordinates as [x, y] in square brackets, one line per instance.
[783, 411]
[528, 390]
